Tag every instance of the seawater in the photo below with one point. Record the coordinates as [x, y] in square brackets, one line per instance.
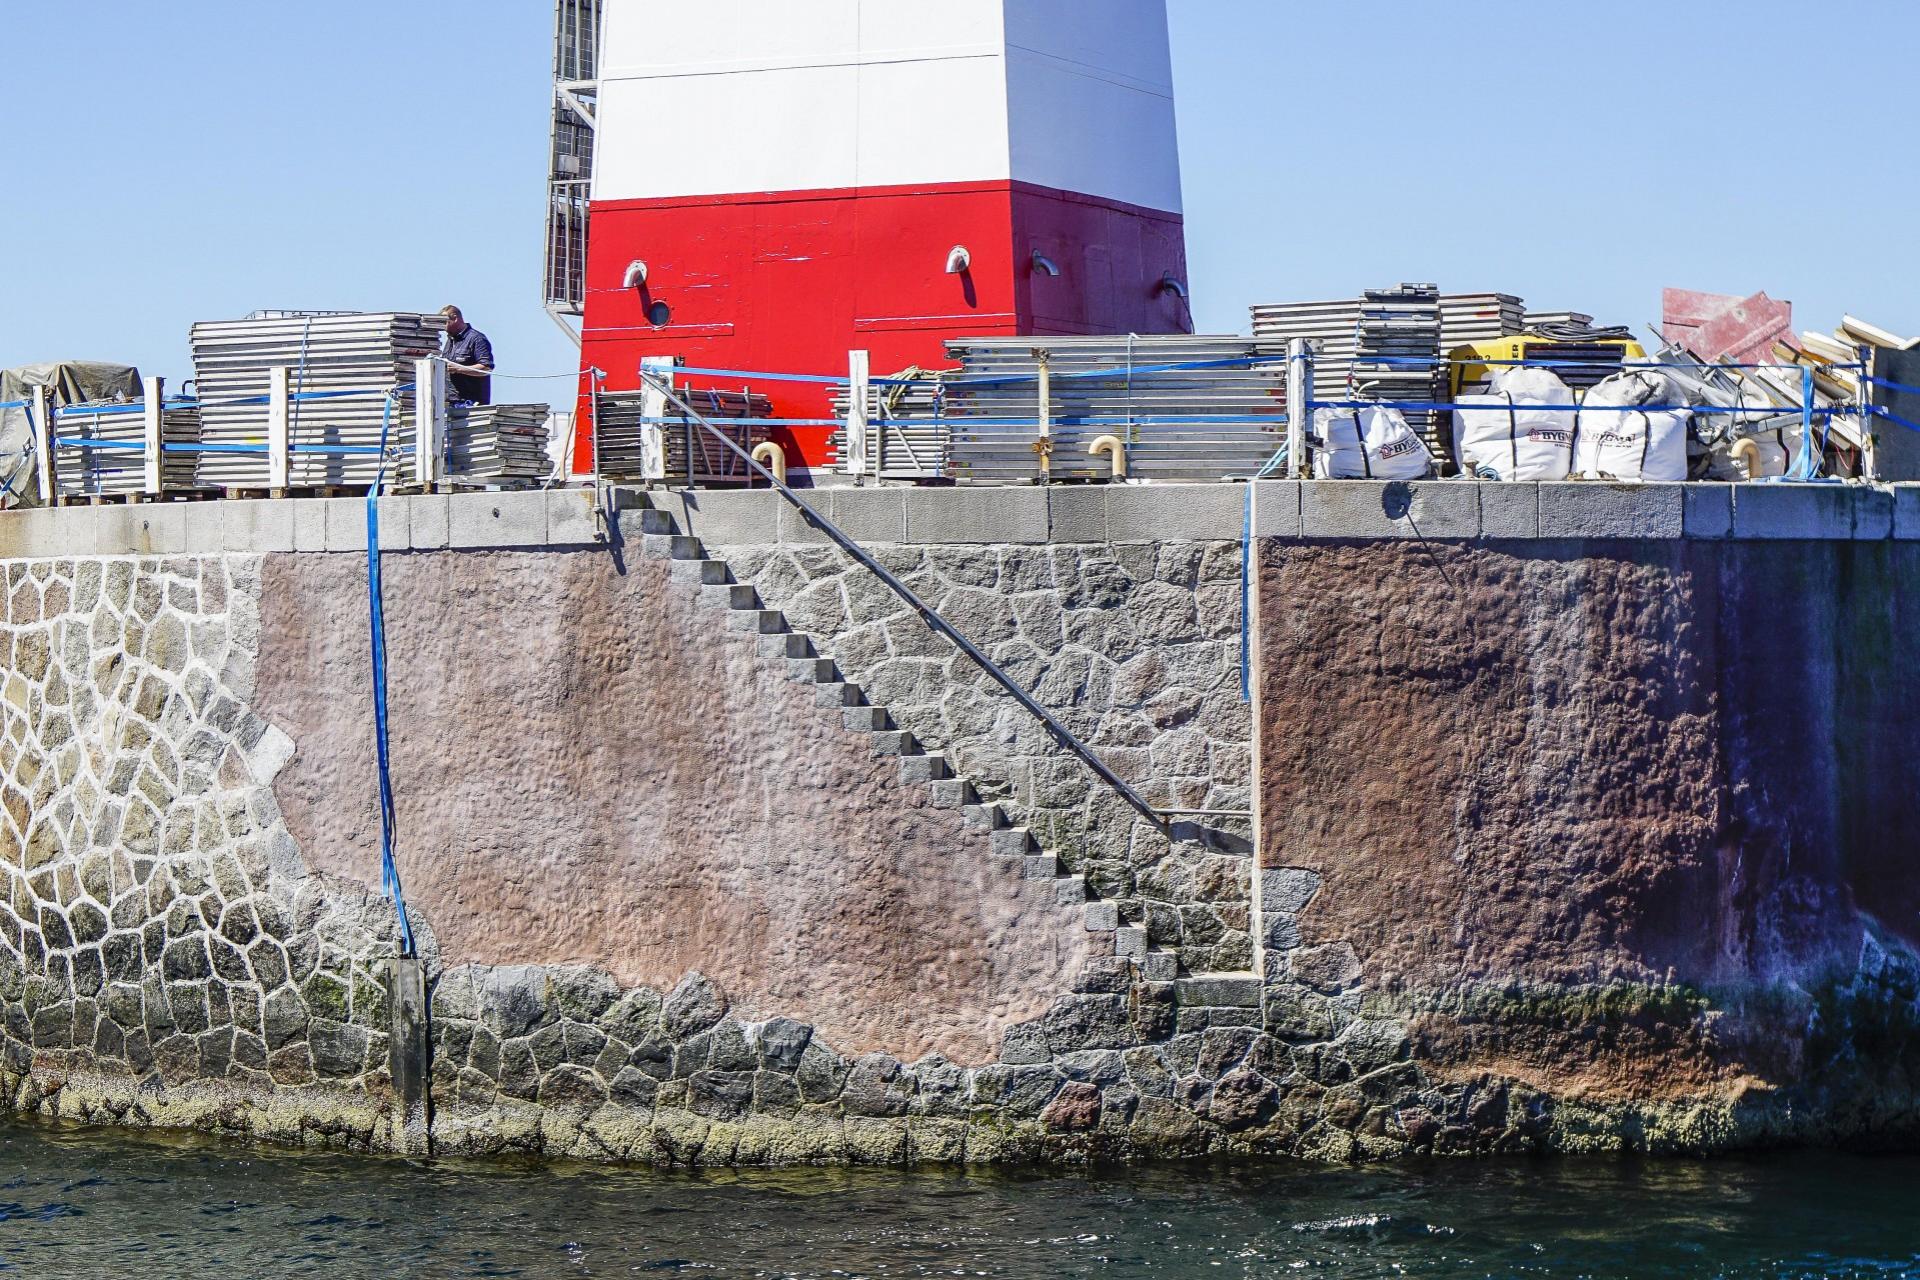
[94, 1203]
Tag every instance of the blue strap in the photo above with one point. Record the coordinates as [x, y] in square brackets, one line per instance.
[1903, 387]
[1893, 417]
[377, 648]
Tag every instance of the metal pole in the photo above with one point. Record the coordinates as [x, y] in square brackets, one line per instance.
[1043, 447]
[859, 380]
[153, 413]
[655, 372]
[1869, 456]
[43, 444]
[279, 420]
[1299, 392]
[430, 421]
[928, 614]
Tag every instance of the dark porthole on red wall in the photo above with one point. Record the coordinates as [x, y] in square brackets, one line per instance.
[659, 315]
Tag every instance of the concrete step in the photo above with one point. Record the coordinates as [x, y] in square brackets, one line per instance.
[838, 695]
[733, 595]
[1012, 842]
[984, 817]
[811, 671]
[789, 644]
[706, 573]
[652, 521]
[766, 622]
[1041, 866]
[924, 768]
[1070, 891]
[894, 742]
[1130, 942]
[672, 546]
[951, 793]
[866, 720]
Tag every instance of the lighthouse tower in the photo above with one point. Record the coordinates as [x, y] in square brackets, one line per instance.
[777, 182]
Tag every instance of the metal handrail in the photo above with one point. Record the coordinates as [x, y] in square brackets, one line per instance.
[927, 612]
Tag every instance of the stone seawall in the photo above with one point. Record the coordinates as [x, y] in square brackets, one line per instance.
[1562, 845]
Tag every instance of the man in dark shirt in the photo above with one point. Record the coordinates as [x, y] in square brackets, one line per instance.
[469, 359]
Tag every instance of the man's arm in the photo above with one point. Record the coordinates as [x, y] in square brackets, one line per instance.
[482, 359]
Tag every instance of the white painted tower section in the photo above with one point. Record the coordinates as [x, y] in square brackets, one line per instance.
[749, 96]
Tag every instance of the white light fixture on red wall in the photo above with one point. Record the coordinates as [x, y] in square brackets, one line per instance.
[958, 260]
[636, 275]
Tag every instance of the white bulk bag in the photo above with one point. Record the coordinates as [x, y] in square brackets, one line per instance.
[1617, 441]
[1374, 443]
[1506, 435]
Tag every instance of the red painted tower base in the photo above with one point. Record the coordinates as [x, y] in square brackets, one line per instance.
[778, 282]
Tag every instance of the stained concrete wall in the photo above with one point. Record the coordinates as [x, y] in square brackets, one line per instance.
[590, 770]
[1590, 767]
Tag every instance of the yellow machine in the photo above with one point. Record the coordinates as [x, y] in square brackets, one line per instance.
[1578, 364]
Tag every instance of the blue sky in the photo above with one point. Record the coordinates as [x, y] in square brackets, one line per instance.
[201, 159]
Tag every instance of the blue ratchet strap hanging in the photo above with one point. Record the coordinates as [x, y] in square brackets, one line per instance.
[377, 647]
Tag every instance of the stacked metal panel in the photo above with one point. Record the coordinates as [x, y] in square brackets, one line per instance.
[498, 444]
[1397, 355]
[1177, 424]
[1479, 317]
[693, 456]
[113, 457]
[352, 361]
[907, 439]
[1537, 319]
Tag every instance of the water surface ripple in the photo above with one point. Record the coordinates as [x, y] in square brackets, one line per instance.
[90, 1203]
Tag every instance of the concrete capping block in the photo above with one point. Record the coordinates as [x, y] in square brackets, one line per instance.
[983, 515]
[794, 526]
[309, 523]
[160, 528]
[76, 531]
[1708, 510]
[257, 525]
[1077, 513]
[1438, 509]
[1597, 509]
[1175, 512]
[1276, 509]
[1906, 512]
[1872, 514]
[726, 518]
[497, 520]
[205, 528]
[1509, 509]
[429, 521]
[396, 532]
[1804, 512]
[573, 519]
[347, 525]
[120, 531]
[869, 515]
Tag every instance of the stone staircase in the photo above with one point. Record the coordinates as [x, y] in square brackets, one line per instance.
[803, 663]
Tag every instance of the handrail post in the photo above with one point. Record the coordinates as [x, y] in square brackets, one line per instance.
[928, 614]
[153, 414]
[1299, 395]
[43, 438]
[1043, 446]
[279, 420]
[859, 381]
[430, 421]
[653, 408]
